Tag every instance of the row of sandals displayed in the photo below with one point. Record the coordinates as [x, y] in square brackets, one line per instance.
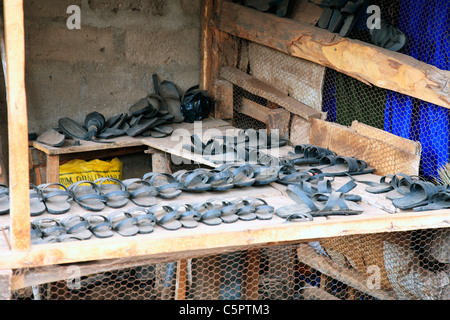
[308, 174]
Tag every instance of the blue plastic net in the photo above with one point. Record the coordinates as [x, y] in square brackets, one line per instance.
[426, 23]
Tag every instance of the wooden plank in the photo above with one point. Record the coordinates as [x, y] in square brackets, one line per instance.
[52, 171]
[389, 159]
[223, 96]
[181, 284]
[17, 125]
[5, 284]
[363, 61]
[205, 43]
[264, 90]
[308, 256]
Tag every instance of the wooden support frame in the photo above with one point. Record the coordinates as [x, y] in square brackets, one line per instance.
[365, 62]
[17, 125]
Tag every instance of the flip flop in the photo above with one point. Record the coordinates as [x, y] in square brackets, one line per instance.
[166, 217]
[141, 192]
[56, 197]
[99, 225]
[37, 206]
[419, 194]
[52, 138]
[145, 221]
[4, 199]
[169, 93]
[140, 125]
[165, 184]
[88, 195]
[114, 191]
[77, 226]
[123, 223]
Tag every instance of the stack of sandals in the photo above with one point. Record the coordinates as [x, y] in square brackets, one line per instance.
[139, 220]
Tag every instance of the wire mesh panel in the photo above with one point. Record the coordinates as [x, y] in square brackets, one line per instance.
[404, 266]
[426, 25]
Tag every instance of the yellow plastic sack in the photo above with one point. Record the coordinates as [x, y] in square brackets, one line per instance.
[78, 170]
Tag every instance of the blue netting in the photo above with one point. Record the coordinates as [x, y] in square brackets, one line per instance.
[427, 25]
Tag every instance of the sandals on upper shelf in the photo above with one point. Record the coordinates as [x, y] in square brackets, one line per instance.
[114, 191]
[141, 192]
[166, 185]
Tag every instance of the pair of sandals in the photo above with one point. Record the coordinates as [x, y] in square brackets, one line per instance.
[309, 206]
[212, 213]
[244, 147]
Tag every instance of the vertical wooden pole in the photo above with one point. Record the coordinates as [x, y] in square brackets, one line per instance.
[206, 43]
[181, 286]
[17, 125]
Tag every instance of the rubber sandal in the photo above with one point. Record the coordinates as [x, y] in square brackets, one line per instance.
[263, 210]
[88, 195]
[312, 155]
[324, 187]
[193, 181]
[166, 185]
[166, 217]
[335, 205]
[145, 221]
[385, 184]
[35, 234]
[77, 226]
[292, 213]
[141, 107]
[246, 211]
[49, 227]
[189, 217]
[52, 138]
[123, 223]
[220, 180]
[438, 201]
[265, 174]
[227, 209]
[142, 193]
[99, 225]
[114, 191]
[327, 12]
[345, 166]
[419, 194]
[140, 125]
[56, 197]
[72, 128]
[401, 185]
[243, 175]
[352, 11]
[209, 215]
[388, 37]
[4, 199]
[172, 99]
[37, 206]
[337, 18]
[287, 174]
[159, 132]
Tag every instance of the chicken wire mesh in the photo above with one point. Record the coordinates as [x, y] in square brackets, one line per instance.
[405, 266]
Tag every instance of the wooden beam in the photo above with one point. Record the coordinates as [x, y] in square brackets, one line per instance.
[363, 61]
[266, 91]
[223, 91]
[205, 43]
[17, 125]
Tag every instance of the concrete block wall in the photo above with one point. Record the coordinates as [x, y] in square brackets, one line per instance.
[107, 65]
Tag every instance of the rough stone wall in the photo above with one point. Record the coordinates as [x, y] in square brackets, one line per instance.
[107, 65]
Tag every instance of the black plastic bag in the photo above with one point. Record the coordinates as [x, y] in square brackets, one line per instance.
[196, 105]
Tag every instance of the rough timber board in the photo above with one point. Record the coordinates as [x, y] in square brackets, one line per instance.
[298, 78]
[388, 158]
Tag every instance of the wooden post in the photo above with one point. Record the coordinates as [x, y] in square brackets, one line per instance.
[17, 125]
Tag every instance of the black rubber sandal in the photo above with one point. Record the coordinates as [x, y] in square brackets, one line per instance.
[123, 223]
[99, 225]
[88, 195]
[114, 191]
[56, 197]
